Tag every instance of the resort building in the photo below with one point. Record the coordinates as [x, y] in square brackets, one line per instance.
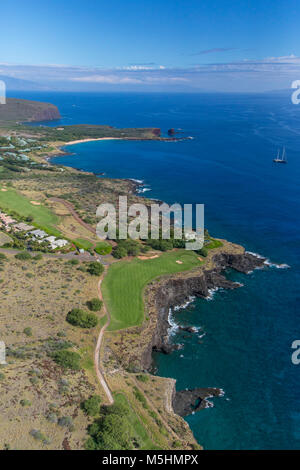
[6, 219]
[38, 234]
[22, 227]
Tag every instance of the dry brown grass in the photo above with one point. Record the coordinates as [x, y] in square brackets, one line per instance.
[38, 295]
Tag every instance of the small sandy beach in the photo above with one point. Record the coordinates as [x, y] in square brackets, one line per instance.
[73, 142]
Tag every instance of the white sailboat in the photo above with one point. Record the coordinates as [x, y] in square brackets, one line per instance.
[281, 159]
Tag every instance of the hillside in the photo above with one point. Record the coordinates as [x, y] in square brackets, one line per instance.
[17, 110]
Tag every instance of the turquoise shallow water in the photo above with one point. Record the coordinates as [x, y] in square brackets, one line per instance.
[247, 333]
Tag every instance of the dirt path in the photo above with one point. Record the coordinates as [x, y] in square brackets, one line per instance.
[99, 370]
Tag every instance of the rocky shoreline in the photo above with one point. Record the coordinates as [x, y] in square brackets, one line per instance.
[177, 290]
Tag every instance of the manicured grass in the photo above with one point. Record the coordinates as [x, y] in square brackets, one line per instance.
[11, 200]
[125, 281]
[103, 248]
[83, 243]
[213, 244]
[135, 424]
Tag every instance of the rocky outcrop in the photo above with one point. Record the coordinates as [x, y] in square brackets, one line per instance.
[47, 113]
[186, 402]
[176, 290]
[156, 132]
[171, 131]
[18, 110]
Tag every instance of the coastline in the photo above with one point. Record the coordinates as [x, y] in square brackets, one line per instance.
[174, 290]
[82, 141]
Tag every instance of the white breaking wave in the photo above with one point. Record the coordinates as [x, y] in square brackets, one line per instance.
[268, 262]
[277, 266]
[173, 325]
[137, 181]
[186, 304]
[143, 190]
[211, 293]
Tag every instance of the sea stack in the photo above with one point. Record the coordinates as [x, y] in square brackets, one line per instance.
[171, 131]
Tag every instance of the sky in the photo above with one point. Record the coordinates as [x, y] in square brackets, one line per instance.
[225, 45]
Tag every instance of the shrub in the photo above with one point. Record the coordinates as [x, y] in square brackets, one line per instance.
[66, 422]
[95, 268]
[52, 418]
[111, 431]
[94, 305]
[73, 262]
[67, 359]
[119, 252]
[37, 435]
[38, 257]
[3, 257]
[78, 317]
[203, 252]
[143, 378]
[27, 331]
[162, 245]
[23, 256]
[91, 406]
[140, 397]
[25, 403]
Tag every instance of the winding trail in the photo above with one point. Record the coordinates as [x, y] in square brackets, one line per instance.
[99, 370]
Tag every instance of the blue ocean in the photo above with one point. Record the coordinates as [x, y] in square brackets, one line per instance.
[244, 337]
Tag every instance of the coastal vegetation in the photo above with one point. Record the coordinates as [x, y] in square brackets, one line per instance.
[118, 428]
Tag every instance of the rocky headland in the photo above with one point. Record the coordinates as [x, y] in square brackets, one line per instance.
[176, 290]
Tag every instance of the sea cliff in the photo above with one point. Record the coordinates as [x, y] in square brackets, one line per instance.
[175, 290]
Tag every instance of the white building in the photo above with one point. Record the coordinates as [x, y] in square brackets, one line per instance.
[38, 233]
[60, 243]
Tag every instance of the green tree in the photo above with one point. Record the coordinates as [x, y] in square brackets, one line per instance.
[91, 406]
[119, 252]
[94, 304]
[67, 359]
[78, 317]
[95, 268]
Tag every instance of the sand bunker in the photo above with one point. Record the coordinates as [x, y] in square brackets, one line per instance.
[147, 257]
[35, 203]
[178, 261]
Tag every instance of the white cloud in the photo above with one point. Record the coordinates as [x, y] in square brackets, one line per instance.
[285, 59]
[112, 79]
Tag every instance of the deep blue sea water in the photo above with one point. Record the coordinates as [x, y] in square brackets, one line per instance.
[245, 337]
